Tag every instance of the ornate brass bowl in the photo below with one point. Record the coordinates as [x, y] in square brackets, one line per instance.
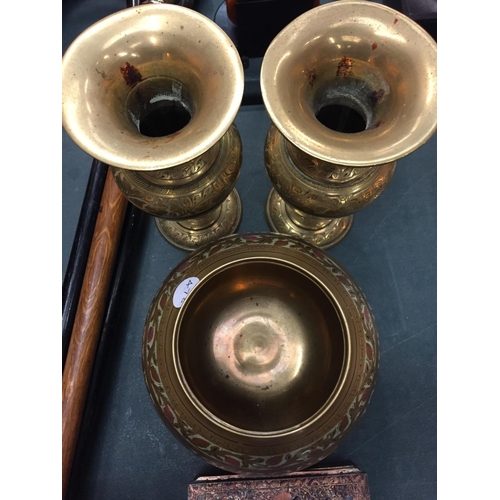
[260, 353]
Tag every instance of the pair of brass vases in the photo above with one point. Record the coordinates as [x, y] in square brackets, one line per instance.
[259, 351]
[153, 92]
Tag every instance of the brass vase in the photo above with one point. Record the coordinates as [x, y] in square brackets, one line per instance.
[350, 88]
[153, 91]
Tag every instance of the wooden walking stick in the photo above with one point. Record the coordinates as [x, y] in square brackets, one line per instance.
[77, 263]
[89, 317]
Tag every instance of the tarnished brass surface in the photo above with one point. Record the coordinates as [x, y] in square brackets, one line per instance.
[268, 358]
[360, 56]
[188, 58]
[191, 195]
[185, 173]
[277, 336]
[334, 195]
[153, 91]
[323, 232]
[367, 54]
[184, 201]
[189, 234]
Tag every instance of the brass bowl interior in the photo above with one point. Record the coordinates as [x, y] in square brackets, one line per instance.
[358, 55]
[156, 59]
[261, 346]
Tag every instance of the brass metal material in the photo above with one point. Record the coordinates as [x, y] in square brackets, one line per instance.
[260, 352]
[153, 92]
[196, 202]
[323, 232]
[190, 234]
[350, 56]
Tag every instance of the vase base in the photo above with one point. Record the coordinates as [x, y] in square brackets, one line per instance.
[190, 234]
[329, 234]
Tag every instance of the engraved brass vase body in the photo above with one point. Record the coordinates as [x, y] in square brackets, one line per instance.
[153, 91]
[350, 88]
[260, 353]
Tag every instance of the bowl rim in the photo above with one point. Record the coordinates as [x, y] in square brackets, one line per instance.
[304, 424]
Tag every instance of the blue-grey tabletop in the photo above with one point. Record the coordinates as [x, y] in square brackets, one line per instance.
[391, 253]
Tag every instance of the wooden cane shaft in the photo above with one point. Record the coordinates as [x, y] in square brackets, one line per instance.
[77, 264]
[88, 319]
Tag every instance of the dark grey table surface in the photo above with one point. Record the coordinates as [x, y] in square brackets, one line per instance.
[390, 251]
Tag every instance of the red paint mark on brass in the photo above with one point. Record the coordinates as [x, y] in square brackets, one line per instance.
[200, 443]
[151, 333]
[232, 461]
[319, 254]
[168, 413]
[376, 96]
[154, 374]
[374, 46]
[311, 76]
[214, 249]
[274, 460]
[344, 67]
[344, 424]
[365, 396]
[131, 74]
[281, 243]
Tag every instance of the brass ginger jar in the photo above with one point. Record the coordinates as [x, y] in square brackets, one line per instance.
[260, 353]
[350, 87]
[153, 91]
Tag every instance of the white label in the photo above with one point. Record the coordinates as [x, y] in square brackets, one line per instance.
[183, 290]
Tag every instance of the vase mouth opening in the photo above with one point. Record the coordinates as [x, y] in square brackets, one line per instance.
[151, 87]
[352, 83]
[341, 108]
[159, 107]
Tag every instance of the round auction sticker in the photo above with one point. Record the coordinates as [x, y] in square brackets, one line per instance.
[183, 290]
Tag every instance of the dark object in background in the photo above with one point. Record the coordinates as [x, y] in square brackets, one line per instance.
[259, 21]
[183, 3]
[423, 12]
[342, 483]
